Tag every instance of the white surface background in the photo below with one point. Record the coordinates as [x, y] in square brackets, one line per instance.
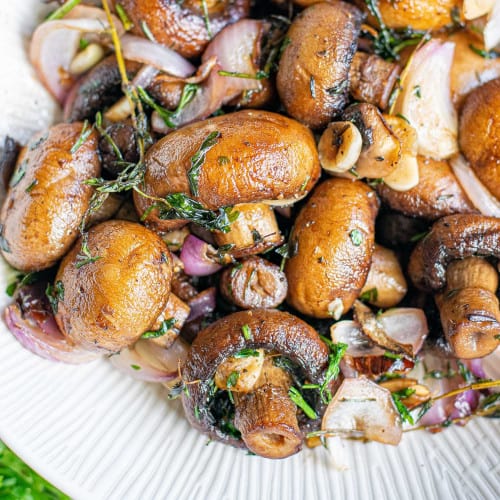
[96, 434]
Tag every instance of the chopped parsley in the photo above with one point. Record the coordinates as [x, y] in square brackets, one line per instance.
[166, 325]
[297, 398]
[356, 237]
[370, 295]
[247, 353]
[247, 332]
[337, 352]
[55, 293]
[402, 409]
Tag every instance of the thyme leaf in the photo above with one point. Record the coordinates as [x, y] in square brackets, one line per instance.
[198, 159]
[165, 326]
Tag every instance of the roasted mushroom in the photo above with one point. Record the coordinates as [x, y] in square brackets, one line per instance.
[266, 417]
[254, 283]
[243, 157]
[313, 74]
[183, 26]
[479, 132]
[330, 248]
[451, 261]
[111, 291]
[48, 196]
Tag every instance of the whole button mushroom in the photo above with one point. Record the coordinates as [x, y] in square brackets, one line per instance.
[113, 290]
[479, 133]
[48, 196]
[313, 74]
[451, 262]
[243, 157]
[184, 26]
[331, 247]
[264, 413]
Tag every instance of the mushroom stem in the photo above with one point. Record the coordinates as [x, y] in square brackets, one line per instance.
[469, 308]
[254, 231]
[372, 79]
[267, 417]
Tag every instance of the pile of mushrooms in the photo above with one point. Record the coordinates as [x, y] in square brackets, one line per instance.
[223, 190]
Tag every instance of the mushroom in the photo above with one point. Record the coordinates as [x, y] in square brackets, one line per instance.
[331, 247]
[479, 132]
[266, 416]
[254, 231]
[451, 261]
[184, 26]
[254, 283]
[313, 74]
[48, 196]
[438, 193]
[113, 290]
[242, 157]
[385, 284]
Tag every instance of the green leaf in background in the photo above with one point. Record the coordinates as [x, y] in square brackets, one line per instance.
[19, 482]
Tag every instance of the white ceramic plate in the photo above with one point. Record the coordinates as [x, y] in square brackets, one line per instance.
[97, 434]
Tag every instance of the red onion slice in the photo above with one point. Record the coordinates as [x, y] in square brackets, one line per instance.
[44, 339]
[477, 192]
[202, 304]
[151, 363]
[145, 51]
[194, 256]
[363, 409]
[55, 43]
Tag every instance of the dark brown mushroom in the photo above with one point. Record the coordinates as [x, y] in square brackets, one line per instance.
[184, 26]
[254, 283]
[438, 193]
[277, 332]
[313, 74]
[450, 260]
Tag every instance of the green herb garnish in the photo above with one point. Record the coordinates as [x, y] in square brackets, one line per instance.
[135, 367]
[232, 379]
[166, 325]
[247, 353]
[31, 186]
[84, 134]
[63, 10]
[370, 295]
[122, 14]
[247, 332]
[403, 411]
[491, 54]
[206, 19]
[356, 237]
[297, 398]
[55, 294]
[337, 352]
[198, 159]
[21, 280]
[85, 257]
[260, 75]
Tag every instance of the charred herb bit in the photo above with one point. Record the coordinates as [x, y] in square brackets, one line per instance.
[296, 397]
[370, 295]
[247, 353]
[198, 159]
[403, 117]
[85, 257]
[63, 10]
[247, 332]
[165, 326]
[491, 54]
[84, 135]
[256, 236]
[181, 206]
[403, 411]
[417, 91]
[55, 294]
[337, 352]
[283, 251]
[4, 244]
[356, 237]
[122, 14]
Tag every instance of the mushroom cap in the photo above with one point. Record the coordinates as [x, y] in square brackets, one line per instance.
[269, 329]
[453, 237]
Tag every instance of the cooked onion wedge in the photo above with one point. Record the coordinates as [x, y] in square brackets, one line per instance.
[363, 409]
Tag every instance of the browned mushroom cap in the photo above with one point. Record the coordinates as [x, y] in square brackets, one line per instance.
[437, 193]
[98, 89]
[453, 237]
[479, 132]
[254, 283]
[313, 74]
[451, 256]
[183, 26]
[272, 330]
